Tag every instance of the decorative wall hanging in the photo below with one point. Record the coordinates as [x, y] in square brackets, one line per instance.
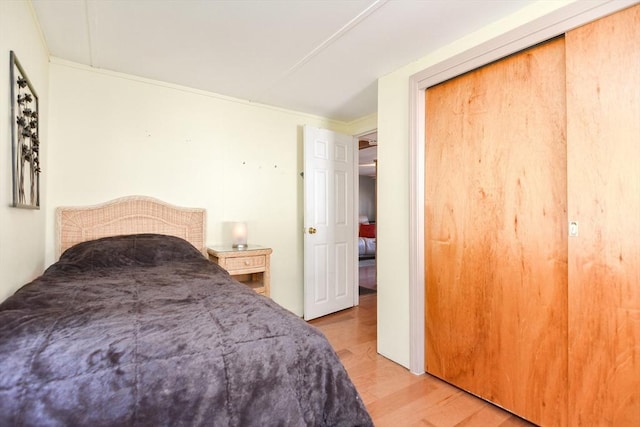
[24, 138]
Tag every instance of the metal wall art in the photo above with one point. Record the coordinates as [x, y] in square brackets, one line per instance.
[24, 138]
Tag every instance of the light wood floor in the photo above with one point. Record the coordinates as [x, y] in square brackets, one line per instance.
[394, 396]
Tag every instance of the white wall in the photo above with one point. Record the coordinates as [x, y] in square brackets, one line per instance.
[113, 135]
[367, 197]
[21, 231]
[393, 179]
[363, 125]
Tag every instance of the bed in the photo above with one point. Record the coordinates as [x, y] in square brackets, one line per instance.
[134, 326]
[366, 238]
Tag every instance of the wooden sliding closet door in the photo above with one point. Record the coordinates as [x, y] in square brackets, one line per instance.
[603, 134]
[496, 233]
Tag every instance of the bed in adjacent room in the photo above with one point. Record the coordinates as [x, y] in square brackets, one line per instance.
[134, 326]
[366, 238]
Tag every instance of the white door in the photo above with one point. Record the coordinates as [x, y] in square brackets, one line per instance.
[330, 273]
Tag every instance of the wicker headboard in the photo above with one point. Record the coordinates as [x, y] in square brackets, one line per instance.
[129, 215]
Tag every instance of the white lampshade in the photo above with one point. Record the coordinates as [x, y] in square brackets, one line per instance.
[239, 235]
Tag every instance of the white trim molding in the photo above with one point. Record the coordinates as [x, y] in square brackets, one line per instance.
[553, 24]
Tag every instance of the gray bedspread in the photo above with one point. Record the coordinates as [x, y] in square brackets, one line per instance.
[143, 330]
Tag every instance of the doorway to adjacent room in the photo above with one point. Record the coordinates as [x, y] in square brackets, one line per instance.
[367, 209]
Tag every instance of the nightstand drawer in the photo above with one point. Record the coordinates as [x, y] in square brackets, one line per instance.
[244, 263]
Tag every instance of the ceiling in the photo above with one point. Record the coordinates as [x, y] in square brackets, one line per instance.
[321, 57]
[368, 154]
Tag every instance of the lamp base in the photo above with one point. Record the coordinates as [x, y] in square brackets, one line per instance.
[239, 246]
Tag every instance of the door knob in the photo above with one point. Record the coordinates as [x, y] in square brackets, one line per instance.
[312, 230]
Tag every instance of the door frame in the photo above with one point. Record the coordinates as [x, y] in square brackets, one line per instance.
[538, 30]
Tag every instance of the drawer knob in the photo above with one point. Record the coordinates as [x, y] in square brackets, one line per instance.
[246, 262]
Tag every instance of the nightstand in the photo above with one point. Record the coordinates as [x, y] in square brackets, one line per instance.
[249, 266]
